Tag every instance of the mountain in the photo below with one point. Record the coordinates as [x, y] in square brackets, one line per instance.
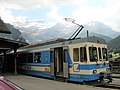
[101, 28]
[106, 38]
[114, 45]
[35, 31]
[15, 34]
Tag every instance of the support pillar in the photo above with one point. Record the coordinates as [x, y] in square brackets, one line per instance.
[15, 60]
[4, 62]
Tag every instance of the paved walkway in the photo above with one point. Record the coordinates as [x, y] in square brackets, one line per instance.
[34, 83]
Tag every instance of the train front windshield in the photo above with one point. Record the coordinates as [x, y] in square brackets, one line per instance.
[96, 54]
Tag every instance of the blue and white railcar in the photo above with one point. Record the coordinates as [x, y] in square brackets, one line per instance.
[79, 60]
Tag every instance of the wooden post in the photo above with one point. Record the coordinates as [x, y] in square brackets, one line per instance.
[15, 68]
[4, 61]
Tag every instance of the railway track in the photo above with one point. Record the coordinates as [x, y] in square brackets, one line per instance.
[111, 86]
[115, 85]
[107, 86]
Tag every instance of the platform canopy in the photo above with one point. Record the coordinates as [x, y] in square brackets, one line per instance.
[7, 44]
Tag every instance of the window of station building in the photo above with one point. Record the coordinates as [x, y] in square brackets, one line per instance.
[83, 55]
[22, 58]
[76, 55]
[93, 54]
[100, 55]
[29, 58]
[104, 52]
[37, 58]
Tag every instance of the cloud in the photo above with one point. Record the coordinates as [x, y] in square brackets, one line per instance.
[28, 3]
[8, 17]
[113, 10]
[109, 14]
[53, 13]
[6, 7]
[6, 13]
[106, 11]
[9, 6]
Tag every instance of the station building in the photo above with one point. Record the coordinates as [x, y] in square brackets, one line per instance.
[7, 45]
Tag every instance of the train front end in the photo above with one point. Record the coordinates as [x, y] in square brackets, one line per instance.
[98, 64]
[90, 62]
[98, 58]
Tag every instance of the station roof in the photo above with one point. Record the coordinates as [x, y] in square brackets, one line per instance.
[8, 44]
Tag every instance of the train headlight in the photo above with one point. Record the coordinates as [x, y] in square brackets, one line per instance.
[107, 69]
[94, 71]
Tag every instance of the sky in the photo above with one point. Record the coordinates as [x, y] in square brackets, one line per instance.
[53, 11]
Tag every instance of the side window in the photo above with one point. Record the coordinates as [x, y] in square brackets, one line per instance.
[76, 55]
[100, 56]
[104, 52]
[37, 57]
[83, 56]
[93, 54]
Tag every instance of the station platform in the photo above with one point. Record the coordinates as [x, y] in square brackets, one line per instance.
[37, 83]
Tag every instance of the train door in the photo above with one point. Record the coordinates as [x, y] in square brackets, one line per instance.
[52, 69]
[65, 62]
[59, 64]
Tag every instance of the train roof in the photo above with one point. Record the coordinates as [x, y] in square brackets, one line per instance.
[66, 41]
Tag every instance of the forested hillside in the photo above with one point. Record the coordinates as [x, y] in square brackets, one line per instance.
[114, 45]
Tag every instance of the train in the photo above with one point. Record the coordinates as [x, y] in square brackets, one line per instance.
[78, 60]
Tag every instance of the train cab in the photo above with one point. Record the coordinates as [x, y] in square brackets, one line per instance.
[90, 60]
